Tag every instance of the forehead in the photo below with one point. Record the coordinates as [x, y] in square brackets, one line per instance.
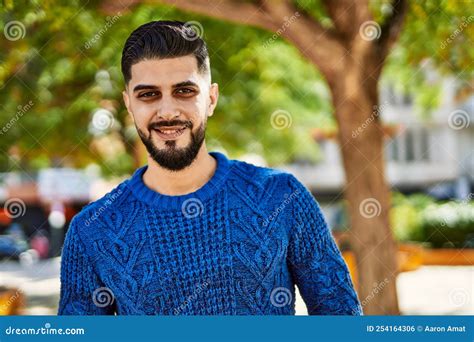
[165, 72]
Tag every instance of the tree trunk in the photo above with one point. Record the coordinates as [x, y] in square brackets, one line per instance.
[352, 66]
[368, 195]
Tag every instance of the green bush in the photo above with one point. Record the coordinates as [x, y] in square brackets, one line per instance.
[405, 216]
[405, 220]
[449, 224]
[419, 218]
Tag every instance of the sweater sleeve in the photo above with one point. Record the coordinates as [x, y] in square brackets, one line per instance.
[315, 261]
[82, 292]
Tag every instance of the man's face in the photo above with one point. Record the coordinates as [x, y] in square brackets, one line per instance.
[169, 101]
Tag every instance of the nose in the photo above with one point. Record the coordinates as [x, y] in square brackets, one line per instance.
[167, 109]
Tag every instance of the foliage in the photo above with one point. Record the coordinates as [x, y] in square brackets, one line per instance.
[419, 218]
[436, 41]
[405, 218]
[449, 224]
[68, 61]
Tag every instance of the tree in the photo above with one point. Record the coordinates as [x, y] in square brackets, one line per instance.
[350, 50]
[67, 63]
[351, 62]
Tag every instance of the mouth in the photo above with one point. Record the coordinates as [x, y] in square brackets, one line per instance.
[170, 132]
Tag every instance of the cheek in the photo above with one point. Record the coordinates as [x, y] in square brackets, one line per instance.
[142, 114]
[198, 110]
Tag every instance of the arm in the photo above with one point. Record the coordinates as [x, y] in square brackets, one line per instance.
[315, 261]
[82, 292]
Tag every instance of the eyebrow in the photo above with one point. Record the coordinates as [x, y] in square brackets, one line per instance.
[153, 87]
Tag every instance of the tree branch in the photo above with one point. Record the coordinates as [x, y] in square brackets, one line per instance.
[347, 16]
[112, 7]
[320, 45]
[234, 11]
[392, 28]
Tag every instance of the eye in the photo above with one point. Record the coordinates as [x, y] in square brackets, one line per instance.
[185, 91]
[148, 94]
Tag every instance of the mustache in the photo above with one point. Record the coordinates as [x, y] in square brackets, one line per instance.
[157, 125]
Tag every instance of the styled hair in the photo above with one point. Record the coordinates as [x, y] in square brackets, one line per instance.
[163, 39]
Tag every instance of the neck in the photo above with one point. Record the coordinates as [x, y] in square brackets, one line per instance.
[175, 183]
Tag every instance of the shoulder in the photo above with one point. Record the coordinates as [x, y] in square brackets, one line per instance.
[275, 182]
[271, 181]
[248, 172]
[97, 212]
[263, 175]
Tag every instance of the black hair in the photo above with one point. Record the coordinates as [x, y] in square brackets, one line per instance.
[163, 39]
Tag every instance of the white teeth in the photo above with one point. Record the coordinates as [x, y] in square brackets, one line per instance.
[169, 131]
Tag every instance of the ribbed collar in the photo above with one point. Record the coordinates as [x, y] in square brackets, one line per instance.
[151, 197]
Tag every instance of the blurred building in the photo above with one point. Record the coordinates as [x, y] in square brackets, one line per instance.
[433, 154]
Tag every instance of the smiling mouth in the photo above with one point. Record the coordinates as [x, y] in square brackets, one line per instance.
[170, 133]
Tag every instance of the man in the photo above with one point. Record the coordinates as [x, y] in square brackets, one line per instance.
[194, 233]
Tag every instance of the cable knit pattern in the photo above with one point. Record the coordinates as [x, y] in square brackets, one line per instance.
[237, 246]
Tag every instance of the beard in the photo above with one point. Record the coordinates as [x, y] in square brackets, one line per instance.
[171, 157]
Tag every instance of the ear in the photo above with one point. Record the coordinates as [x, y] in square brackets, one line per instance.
[213, 97]
[126, 100]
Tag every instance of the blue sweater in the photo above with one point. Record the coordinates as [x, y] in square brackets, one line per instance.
[236, 246]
